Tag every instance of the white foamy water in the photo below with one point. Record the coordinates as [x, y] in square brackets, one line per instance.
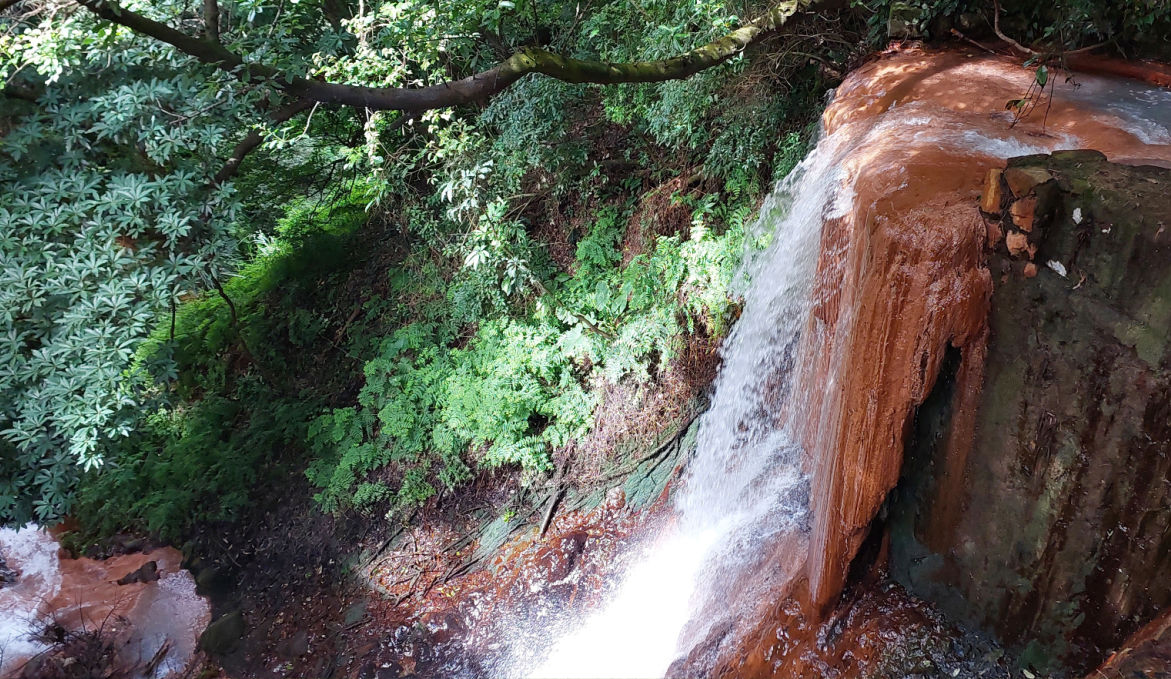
[33, 553]
[140, 618]
[745, 484]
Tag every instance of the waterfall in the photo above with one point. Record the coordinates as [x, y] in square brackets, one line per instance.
[742, 512]
[746, 484]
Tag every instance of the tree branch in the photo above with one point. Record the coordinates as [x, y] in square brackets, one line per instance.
[254, 139]
[473, 88]
[1025, 50]
[996, 29]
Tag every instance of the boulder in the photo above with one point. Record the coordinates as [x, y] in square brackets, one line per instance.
[1050, 524]
[1023, 179]
[223, 636]
[147, 572]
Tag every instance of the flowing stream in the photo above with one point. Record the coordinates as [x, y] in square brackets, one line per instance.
[159, 620]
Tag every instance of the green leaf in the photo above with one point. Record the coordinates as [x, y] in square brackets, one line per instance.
[1042, 75]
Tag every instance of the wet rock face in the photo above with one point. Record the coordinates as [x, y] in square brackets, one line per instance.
[1146, 654]
[1052, 526]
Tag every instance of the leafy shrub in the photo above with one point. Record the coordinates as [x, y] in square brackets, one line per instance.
[239, 336]
[212, 435]
[199, 464]
[523, 385]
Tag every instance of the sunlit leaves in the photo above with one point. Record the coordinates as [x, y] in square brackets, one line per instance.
[103, 183]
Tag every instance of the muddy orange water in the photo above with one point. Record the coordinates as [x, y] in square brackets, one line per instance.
[83, 594]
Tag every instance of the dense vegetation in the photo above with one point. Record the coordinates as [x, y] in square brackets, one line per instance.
[387, 300]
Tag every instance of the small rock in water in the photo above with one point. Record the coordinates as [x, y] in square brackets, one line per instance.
[7, 575]
[1057, 266]
[147, 572]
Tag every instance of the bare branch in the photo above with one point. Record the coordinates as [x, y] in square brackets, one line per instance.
[1060, 52]
[473, 88]
[996, 28]
[254, 138]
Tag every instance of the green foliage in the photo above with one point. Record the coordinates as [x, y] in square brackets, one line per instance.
[510, 395]
[105, 217]
[193, 465]
[479, 349]
[211, 436]
[524, 384]
[1057, 26]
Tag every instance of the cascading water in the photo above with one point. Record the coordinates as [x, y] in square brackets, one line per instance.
[34, 554]
[746, 485]
[741, 515]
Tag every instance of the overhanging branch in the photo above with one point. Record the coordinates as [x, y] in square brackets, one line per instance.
[254, 138]
[470, 89]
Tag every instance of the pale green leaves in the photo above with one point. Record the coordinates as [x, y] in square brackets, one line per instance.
[103, 216]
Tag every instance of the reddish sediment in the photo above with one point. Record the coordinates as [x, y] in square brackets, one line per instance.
[902, 277]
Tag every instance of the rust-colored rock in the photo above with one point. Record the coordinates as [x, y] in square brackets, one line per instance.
[1022, 180]
[1145, 655]
[994, 234]
[992, 194]
[1058, 536]
[1030, 270]
[1022, 213]
[902, 284]
[1017, 243]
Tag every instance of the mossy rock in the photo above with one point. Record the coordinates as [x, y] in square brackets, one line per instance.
[223, 636]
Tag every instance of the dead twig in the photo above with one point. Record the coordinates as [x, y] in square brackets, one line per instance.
[391, 539]
[558, 490]
[151, 667]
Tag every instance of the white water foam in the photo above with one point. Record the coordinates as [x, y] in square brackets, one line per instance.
[32, 552]
[745, 482]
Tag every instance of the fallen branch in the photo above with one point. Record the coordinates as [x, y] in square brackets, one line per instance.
[558, 490]
[968, 40]
[996, 29]
[151, 667]
[1025, 50]
[391, 539]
